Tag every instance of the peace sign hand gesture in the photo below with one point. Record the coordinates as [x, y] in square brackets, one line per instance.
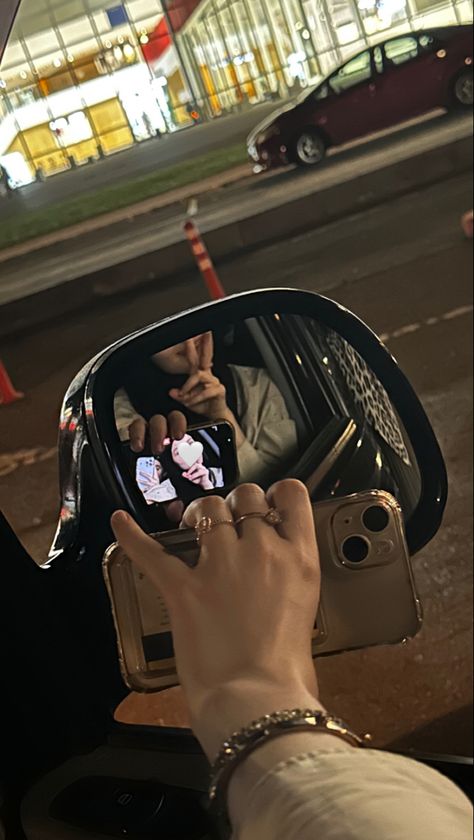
[202, 392]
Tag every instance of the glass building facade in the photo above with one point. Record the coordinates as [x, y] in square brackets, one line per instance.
[81, 79]
[241, 51]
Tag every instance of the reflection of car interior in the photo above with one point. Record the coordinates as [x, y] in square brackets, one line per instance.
[333, 429]
[246, 344]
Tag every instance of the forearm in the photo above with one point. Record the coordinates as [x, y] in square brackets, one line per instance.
[264, 759]
[323, 792]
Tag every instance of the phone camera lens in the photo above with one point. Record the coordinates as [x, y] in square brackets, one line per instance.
[376, 518]
[355, 549]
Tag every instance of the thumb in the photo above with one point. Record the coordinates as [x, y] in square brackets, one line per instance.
[164, 570]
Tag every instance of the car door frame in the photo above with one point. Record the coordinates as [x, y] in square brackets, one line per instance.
[389, 67]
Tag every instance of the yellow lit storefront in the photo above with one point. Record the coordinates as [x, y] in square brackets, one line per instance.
[75, 85]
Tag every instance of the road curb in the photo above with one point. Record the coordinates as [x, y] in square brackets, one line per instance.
[297, 216]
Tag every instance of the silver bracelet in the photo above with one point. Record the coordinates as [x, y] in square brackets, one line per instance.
[242, 743]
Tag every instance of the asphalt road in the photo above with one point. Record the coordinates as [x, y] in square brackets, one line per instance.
[139, 160]
[146, 235]
[406, 269]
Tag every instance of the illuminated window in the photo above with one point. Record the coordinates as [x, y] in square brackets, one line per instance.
[378, 60]
[357, 70]
[401, 50]
[76, 31]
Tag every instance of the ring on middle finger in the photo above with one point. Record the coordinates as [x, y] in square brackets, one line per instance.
[272, 517]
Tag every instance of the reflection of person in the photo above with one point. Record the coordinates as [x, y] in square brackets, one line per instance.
[184, 385]
[250, 660]
[169, 477]
[197, 473]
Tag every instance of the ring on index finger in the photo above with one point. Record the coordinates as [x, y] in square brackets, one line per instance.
[206, 524]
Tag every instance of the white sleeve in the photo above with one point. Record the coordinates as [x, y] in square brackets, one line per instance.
[124, 413]
[354, 795]
[270, 433]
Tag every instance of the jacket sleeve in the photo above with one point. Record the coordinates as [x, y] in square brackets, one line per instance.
[356, 795]
[124, 413]
[270, 433]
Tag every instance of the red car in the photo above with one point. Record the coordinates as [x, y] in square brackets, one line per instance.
[379, 87]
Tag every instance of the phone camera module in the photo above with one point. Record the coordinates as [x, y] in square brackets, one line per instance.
[355, 549]
[376, 519]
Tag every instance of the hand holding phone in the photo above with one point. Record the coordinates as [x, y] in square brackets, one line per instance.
[368, 594]
[159, 429]
[200, 475]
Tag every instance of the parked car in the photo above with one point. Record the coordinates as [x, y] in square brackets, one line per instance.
[379, 87]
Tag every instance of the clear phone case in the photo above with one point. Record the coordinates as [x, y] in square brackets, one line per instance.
[368, 595]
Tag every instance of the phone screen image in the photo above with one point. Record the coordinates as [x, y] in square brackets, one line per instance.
[201, 462]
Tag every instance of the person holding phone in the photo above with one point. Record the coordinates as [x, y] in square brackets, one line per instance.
[249, 608]
[184, 384]
[182, 471]
[197, 473]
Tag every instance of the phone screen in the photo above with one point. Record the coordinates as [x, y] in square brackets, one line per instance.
[203, 461]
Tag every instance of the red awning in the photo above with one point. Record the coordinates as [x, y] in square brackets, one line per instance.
[179, 11]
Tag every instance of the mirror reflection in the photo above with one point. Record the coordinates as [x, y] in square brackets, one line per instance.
[260, 400]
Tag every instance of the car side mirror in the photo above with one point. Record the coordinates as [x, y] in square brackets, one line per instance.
[313, 392]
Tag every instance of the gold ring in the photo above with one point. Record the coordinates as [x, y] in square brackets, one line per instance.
[271, 517]
[206, 524]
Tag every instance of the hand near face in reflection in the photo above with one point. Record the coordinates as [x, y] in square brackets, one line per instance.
[202, 393]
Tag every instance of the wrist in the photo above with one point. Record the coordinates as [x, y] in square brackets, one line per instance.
[232, 706]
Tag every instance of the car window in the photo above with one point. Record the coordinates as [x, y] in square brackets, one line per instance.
[356, 70]
[378, 60]
[401, 50]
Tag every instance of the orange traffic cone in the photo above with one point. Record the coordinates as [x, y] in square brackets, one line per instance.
[203, 260]
[8, 394]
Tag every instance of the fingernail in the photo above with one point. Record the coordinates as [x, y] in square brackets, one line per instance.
[120, 516]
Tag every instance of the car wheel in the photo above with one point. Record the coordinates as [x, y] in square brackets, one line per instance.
[309, 148]
[463, 89]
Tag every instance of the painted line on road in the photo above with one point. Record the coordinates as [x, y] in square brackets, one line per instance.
[12, 461]
[427, 322]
